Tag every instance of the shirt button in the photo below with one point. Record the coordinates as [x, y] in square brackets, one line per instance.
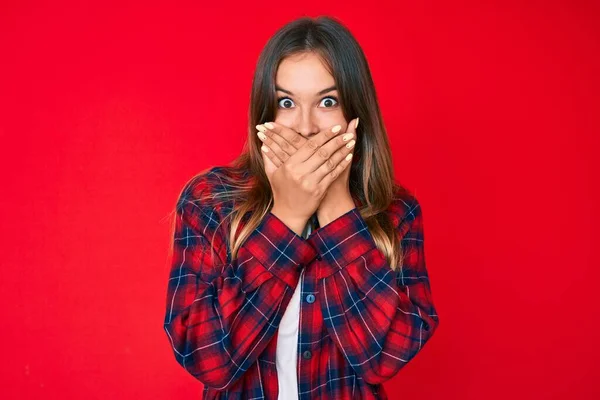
[307, 354]
[310, 298]
[319, 257]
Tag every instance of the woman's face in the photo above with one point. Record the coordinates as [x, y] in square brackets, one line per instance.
[306, 101]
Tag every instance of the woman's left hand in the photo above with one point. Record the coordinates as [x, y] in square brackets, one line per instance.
[282, 142]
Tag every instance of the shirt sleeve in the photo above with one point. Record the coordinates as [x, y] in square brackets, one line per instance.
[378, 318]
[221, 316]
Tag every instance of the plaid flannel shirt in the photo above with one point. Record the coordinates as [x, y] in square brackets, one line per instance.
[360, 322]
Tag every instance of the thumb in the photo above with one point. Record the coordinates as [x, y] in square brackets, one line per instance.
[270, 168]
[352, 126]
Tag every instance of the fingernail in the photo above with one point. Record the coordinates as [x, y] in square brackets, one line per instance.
[347, 136]
[269, 125]
[336, 128]
[264, 148]
[351, 144]
[356, 123]
[349, 156]
[261, 128]
[261, 135]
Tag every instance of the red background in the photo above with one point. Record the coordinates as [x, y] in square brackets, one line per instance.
[107, 109]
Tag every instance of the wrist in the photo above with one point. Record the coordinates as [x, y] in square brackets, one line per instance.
[292, 221]
[331, 213]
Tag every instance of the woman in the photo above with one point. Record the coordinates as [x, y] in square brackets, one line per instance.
[298, 271]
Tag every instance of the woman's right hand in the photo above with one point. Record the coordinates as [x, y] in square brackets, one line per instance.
[301, 182]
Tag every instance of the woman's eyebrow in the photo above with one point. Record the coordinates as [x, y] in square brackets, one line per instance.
[329, 89]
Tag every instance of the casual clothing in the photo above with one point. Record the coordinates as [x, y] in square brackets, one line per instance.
[286, 356]
[359, 321]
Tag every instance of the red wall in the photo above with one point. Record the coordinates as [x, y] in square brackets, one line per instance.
[107, 110]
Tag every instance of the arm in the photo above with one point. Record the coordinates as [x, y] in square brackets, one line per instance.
[221, 316]
[378, 318]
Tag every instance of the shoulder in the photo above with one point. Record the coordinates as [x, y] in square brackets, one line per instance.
[205, 186]
[405, 206]
[199, 199]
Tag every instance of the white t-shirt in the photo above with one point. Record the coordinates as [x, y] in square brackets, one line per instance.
[287, 342]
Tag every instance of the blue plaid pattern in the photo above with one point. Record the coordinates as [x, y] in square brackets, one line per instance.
[360, 322]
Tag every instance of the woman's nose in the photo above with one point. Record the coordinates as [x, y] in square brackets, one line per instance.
[307, 126]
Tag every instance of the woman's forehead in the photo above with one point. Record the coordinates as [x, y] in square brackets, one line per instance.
[303, 77]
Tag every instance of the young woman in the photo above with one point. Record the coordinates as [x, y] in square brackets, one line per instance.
[298, 271]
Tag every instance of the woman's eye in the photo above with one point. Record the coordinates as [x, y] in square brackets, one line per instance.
[328, 100]
[284, 100]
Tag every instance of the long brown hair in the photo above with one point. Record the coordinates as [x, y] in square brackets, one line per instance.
[372, 182]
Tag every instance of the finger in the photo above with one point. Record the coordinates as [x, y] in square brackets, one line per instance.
[337, 171]
[271, 156]
[289, 135]
[333, 145]
[273, 146]
[336, 158]
[269, 166]
[307, 153]
[336, 143]
[322, 155]
[277, 138]
[352, 126]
